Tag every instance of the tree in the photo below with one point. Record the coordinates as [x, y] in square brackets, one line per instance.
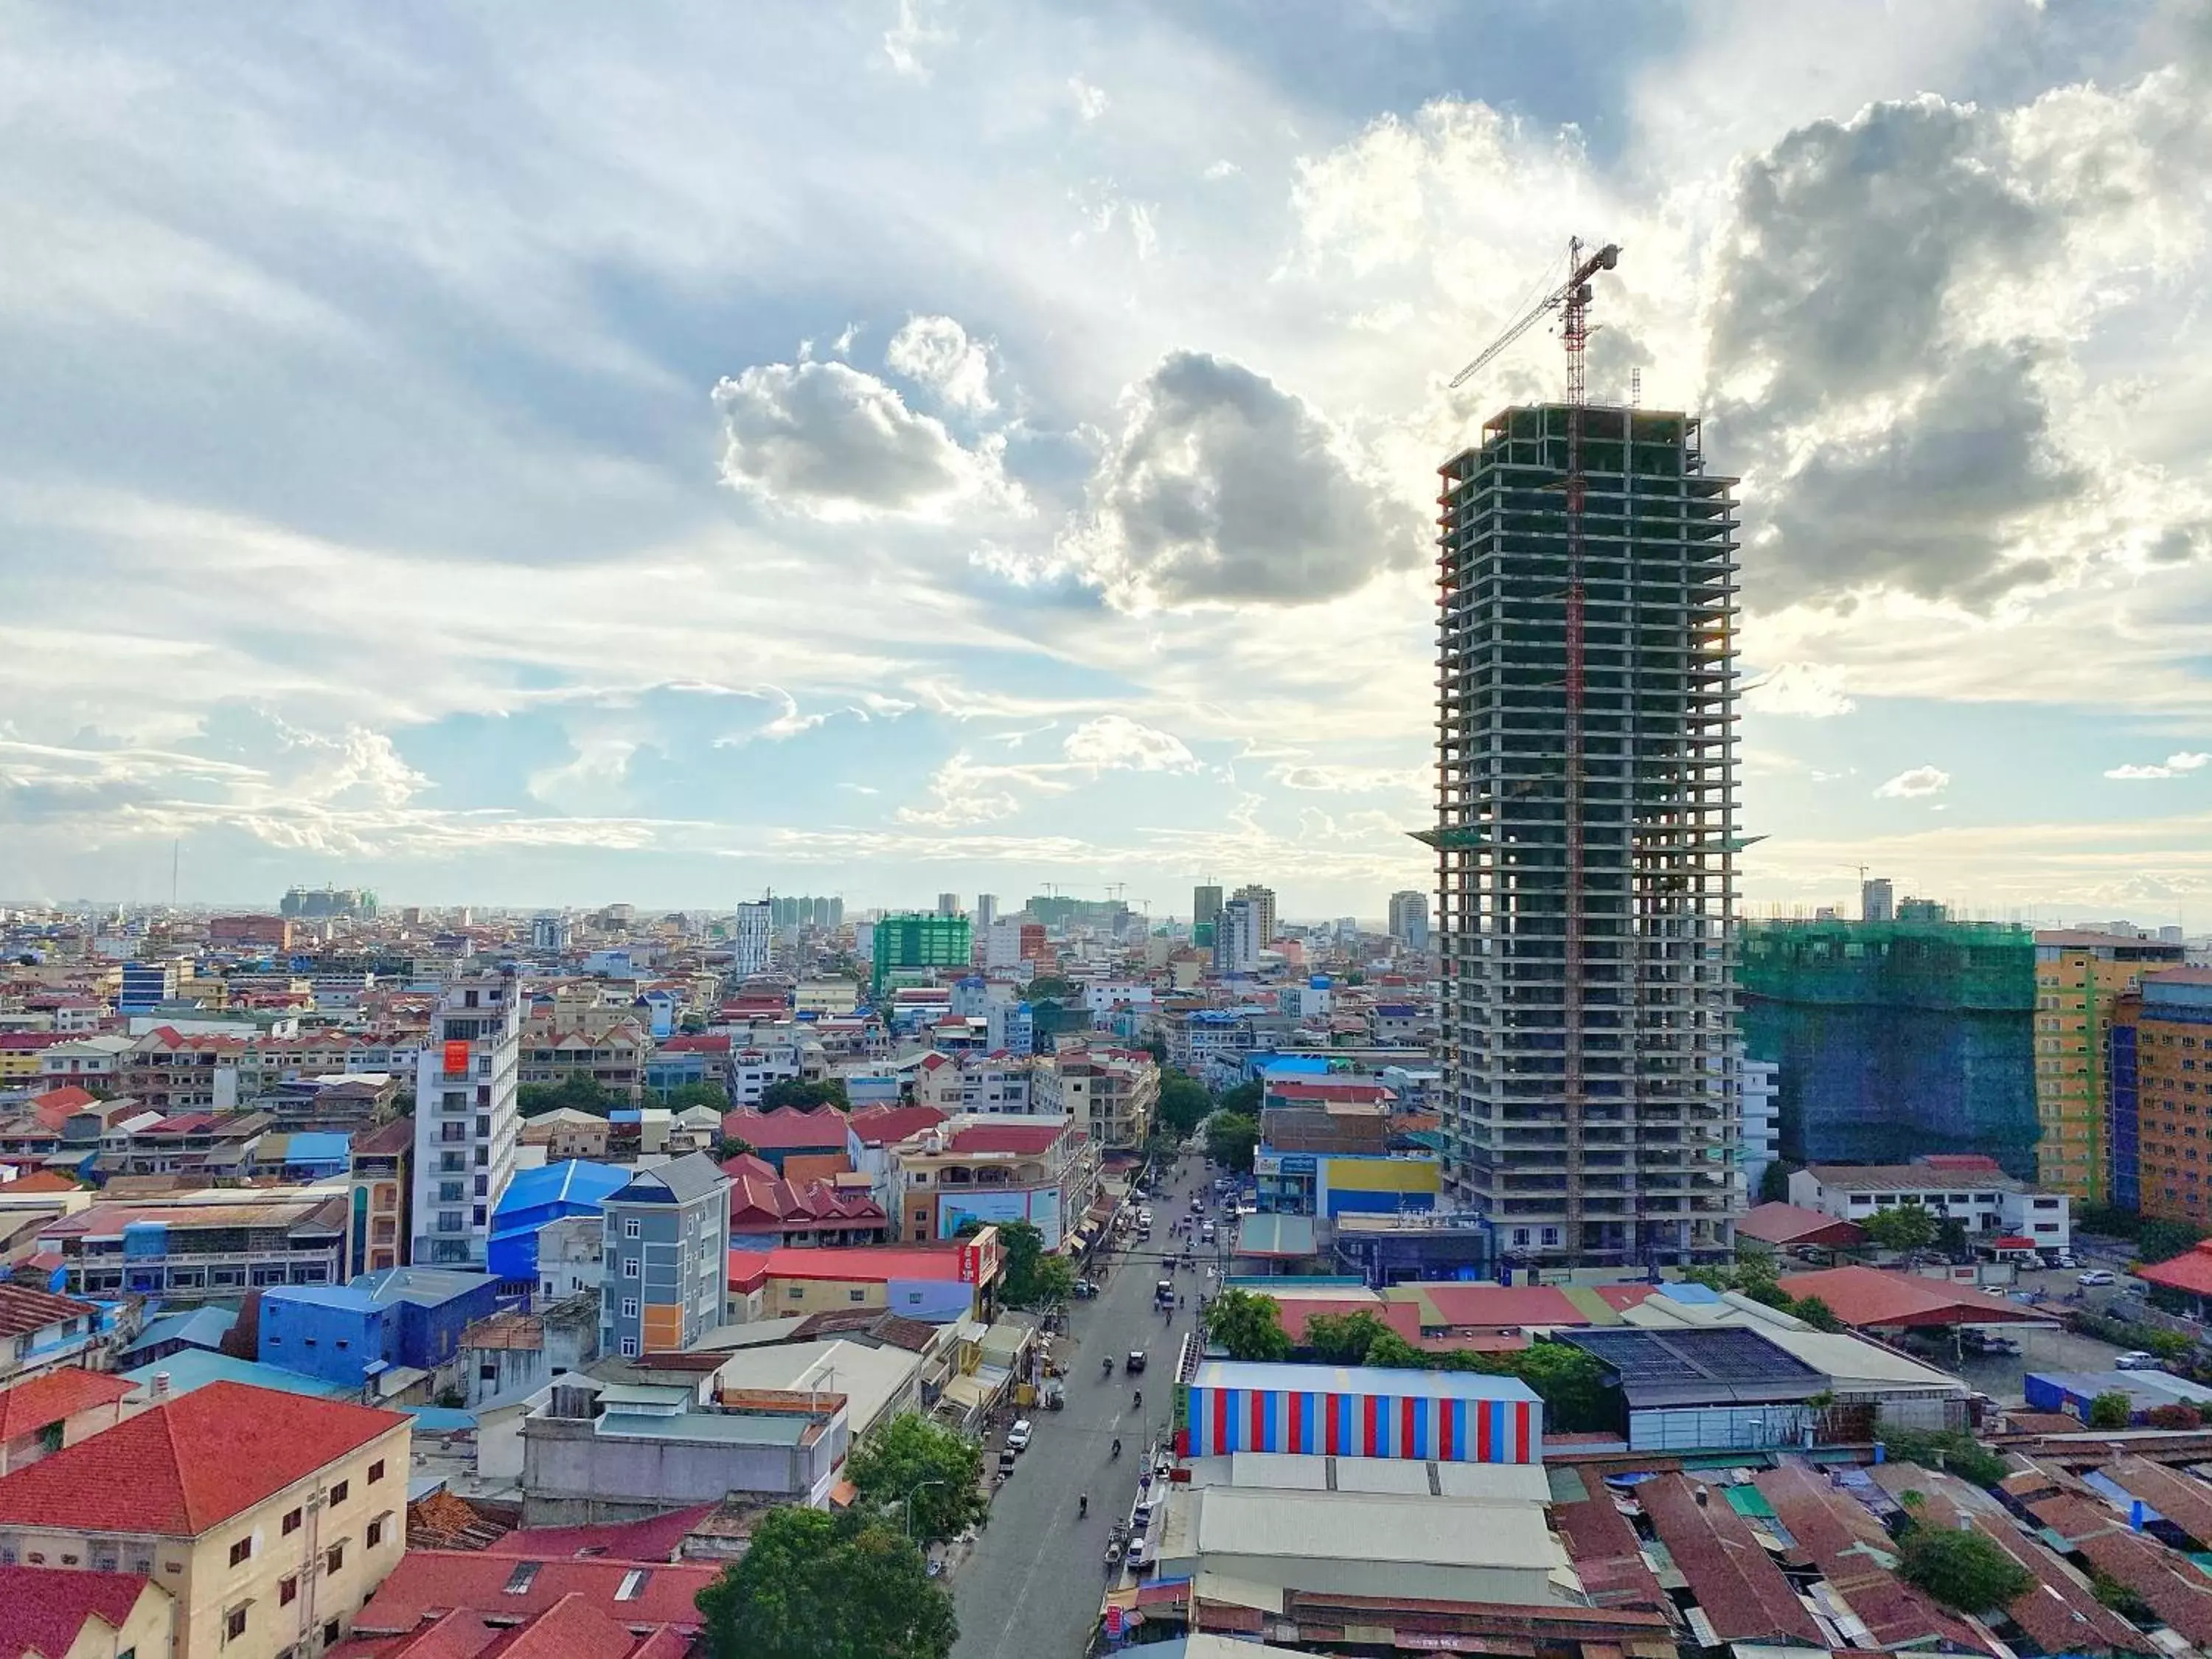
[1947, 1450]
[1816, 1313]
[1156, 1047]
[1028, 1276]
[1393, 1353]
[1184, 1104]
[686, 1094]
[804, 1093]
[726, 1147]
[2111, 1411]
[1249, 1325]
[1774, 1183]
[1964, 1571]
[1572, 1384]
[2162, 1241]
[941, 1470]
[1243, 1100]
[577, 1091]
[1052, 985]
[1903, 1227]
[1344, 1339]
[1232, 1138]
[817, 1586]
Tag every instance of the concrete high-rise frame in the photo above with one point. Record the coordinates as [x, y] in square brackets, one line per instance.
[1585, 837]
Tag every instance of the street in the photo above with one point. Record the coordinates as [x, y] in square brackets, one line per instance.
[1033, 1584]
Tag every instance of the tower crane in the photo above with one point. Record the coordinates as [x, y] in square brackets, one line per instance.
[1571, 300]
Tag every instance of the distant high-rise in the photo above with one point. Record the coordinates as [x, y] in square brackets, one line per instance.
[1584, 836]
[549, 933]
[1409, 919]
[1237, 938]
[752, 940]
[948, 904]
[1204, 906]
[464, 1119]
[987, 911]
[1262, 901]
[1877, 899]
[923, 946]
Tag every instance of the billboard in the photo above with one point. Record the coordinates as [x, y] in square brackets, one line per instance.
[980, 1258]
[1039, 1206]
[457, 1060]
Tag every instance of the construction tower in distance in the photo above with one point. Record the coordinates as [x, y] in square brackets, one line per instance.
[1586, 834]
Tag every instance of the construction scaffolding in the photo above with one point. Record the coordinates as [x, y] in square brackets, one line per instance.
[1895, 1039]
[1585, 835]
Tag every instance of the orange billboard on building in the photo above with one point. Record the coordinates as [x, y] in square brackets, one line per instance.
[457, 1060]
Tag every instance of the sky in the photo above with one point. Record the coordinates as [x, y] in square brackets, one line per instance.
[541, 454]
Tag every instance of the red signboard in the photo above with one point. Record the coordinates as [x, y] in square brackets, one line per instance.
[457, 1060]
[979, 1258]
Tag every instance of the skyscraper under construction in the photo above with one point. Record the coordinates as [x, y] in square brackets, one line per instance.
[1585, 836]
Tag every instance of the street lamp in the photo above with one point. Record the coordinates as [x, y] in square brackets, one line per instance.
[919, 1485]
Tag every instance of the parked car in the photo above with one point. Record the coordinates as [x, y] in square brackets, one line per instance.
[1017, 1438]
[2096, 1276]
[2135, 1360]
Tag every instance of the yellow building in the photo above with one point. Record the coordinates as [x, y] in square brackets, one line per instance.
[2078, 975]
[269, 1517]
[55, 1614]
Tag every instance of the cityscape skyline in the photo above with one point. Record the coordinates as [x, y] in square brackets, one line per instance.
[878, 529]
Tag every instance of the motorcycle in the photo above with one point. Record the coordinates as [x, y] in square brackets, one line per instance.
[1106, 1368]
[1116, 1452]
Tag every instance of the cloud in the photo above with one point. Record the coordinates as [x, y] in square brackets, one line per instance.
[828, 440]
[1896, 309]
[913, 32]
[1216, 171]
[2174, 766]
[1225, 488]
[1116, 741]
[938, 352]
[1813, 690]
[1350, 779]
[1920, 782]
[1090, 102]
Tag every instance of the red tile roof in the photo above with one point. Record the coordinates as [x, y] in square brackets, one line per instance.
[39, 1181]
[572, 1628]
[182, 1467]
[1840, 1535]
[29, 1406]
[696, 1042]
[55, 1106]
[1020, 1139]
[650, 1541]
[23, 1311]
[788, 1129]
[29, 1041]
[761, 1199]
[1402, 1317]
[1868, 1297]
[43, 1609]
[1494, 1307]
[430, 1583]
[1787, 1223]
[861, 1263]
[2191, 1271]
[1621, 1297]
[886, 1125]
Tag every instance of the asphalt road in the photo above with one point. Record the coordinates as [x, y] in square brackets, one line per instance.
[1032, 1586]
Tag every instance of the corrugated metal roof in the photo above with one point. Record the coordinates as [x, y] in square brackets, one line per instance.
[1360, 1379]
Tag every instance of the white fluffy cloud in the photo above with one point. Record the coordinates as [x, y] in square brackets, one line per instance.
[1225, 488]
[938, 353]
[1116, 741]
[1914, 785]
[2174, 766]
[826, 440]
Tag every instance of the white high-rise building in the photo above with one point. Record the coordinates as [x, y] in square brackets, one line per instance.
[464, 1119]
[1262, 901]
[751, 948]
[1237, 938]
[1409, 919]
[987, 911]
[1762, 1123]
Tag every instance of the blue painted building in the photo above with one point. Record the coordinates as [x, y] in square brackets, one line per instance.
[402, 1317]
[536, 1197]
[146, 986]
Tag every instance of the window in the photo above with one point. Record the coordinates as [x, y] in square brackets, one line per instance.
[630, 1226]
[241, 1551]
[629, 1307]
[332, 1632]
[630, 1347]
[856, 1295]
[376, 1471]
[234, 1624]
[288, 1590]
[338, 1493]
[334, 1557]
[375, 1534]
[291, 1522]
[630, 1267]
